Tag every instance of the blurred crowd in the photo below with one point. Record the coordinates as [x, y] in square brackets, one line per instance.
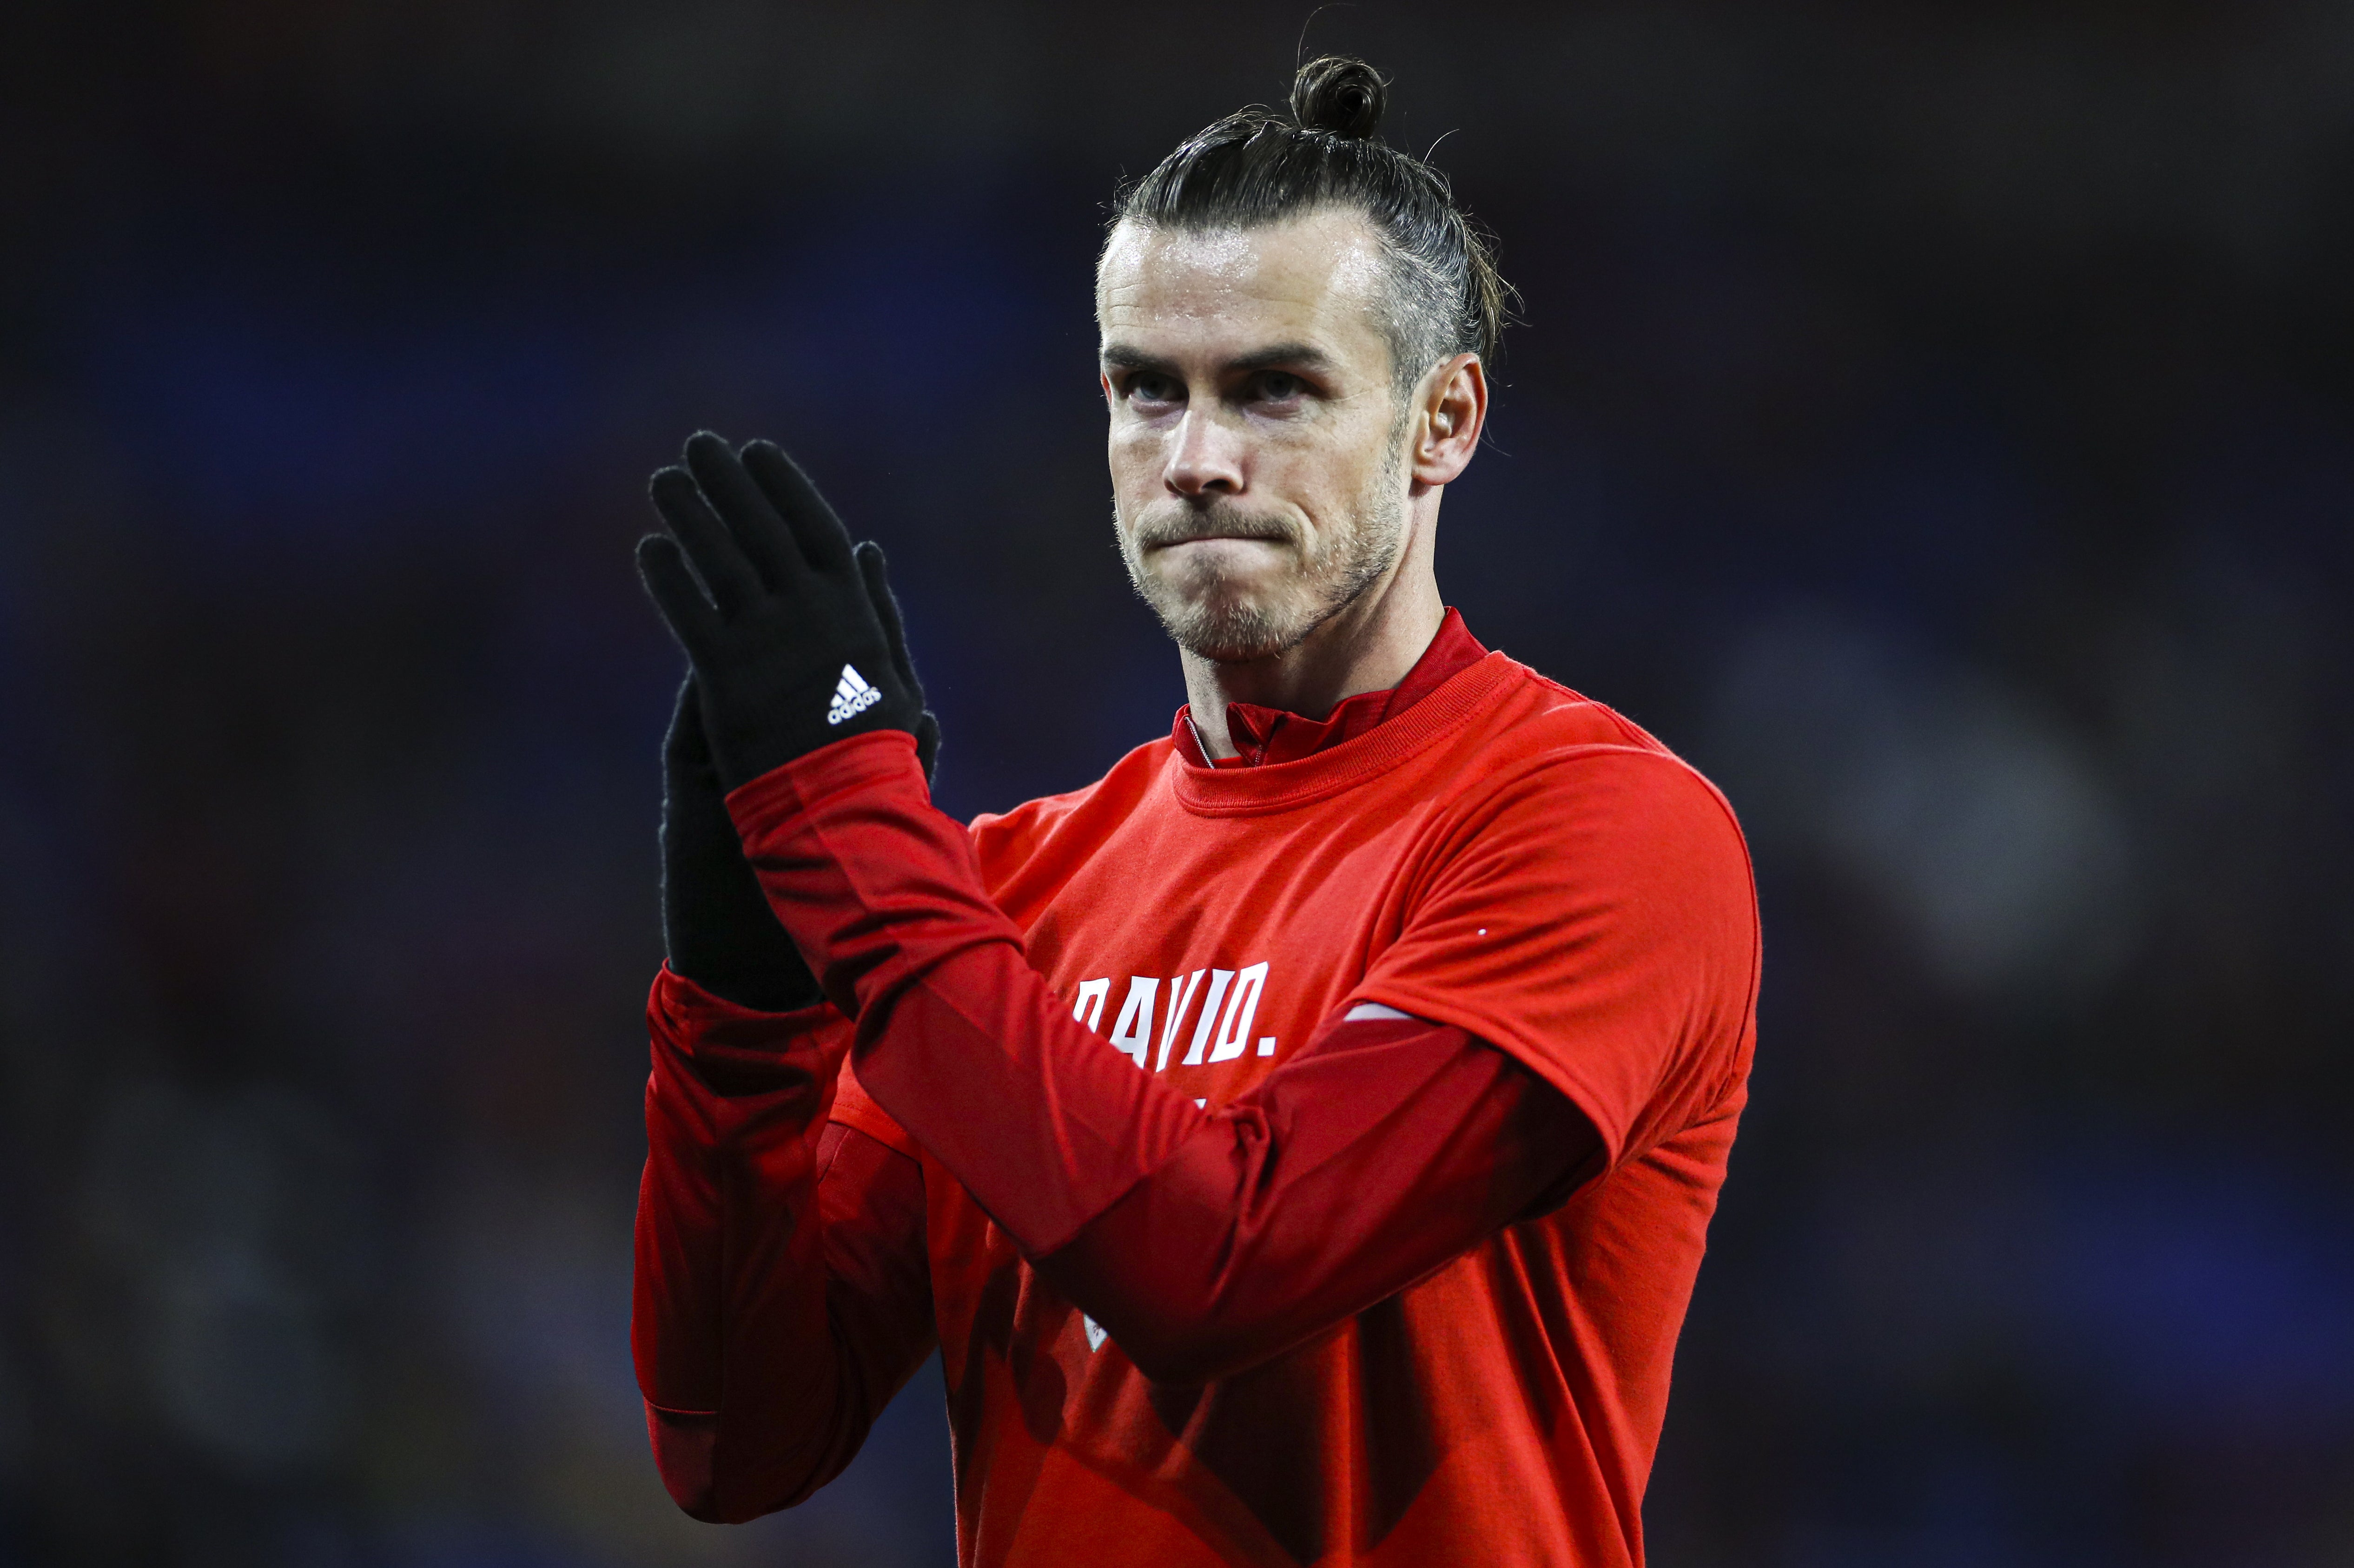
[1936, 421]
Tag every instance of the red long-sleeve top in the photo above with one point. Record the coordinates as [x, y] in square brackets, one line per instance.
[1383, 1148]
[787, 1245]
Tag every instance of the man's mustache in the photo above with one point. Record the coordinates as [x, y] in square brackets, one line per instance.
[1157, 530]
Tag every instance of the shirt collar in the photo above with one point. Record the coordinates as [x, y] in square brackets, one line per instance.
[1263, 735]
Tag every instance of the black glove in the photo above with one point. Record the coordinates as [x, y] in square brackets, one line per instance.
[717, 923]
[797, 643]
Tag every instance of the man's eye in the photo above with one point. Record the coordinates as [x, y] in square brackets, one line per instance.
[1280, 386]
[1155, 390]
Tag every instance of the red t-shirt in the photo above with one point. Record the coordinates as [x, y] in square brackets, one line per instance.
[1504, 856]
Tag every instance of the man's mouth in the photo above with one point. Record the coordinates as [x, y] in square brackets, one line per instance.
[1219, 539]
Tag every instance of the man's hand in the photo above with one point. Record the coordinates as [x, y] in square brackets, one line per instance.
[797, 643]
[717, 924]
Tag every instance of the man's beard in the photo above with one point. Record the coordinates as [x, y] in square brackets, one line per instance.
[1232, 626]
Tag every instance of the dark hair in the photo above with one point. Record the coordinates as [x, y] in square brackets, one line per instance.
[1258, 167]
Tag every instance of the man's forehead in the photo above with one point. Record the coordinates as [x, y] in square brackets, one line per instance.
[1318, 275]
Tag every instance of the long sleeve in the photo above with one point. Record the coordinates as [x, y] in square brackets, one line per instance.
[782, 1292]
[1202, 1240]
[1382, 1151]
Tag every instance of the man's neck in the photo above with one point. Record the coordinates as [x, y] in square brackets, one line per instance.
[1369, 646]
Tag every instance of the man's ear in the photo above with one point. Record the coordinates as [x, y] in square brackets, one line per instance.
[1452, 409]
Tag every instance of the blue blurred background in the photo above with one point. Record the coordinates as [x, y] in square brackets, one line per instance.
[1936, 420]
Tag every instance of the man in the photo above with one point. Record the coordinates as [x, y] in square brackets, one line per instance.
[1300, 1143]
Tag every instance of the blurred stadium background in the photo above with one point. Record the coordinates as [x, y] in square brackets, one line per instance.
[1935, 420]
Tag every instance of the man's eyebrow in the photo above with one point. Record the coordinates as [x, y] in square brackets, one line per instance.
[1126, 358]
[1307, 356]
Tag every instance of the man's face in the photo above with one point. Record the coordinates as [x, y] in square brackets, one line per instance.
[1255, 437]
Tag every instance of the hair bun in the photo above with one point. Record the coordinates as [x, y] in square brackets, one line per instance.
[1337, 94]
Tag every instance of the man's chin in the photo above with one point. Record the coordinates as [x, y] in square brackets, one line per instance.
[1226, 617]
[1228, 631]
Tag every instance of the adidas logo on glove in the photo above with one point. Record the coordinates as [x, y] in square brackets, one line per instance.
[852, 696]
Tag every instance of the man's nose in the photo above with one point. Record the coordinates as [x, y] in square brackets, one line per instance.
[1205, 456]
